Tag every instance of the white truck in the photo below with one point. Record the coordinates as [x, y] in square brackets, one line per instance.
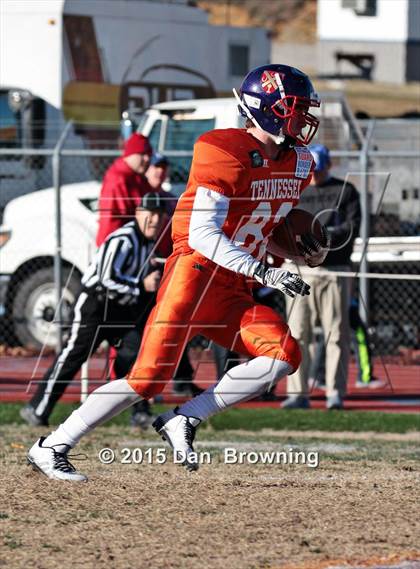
[27, 234]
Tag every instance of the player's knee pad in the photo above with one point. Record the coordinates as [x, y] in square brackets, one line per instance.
[147, 382]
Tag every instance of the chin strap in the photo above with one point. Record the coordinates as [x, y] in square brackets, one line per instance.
[279, 140]
[288, 142]
[245, 108]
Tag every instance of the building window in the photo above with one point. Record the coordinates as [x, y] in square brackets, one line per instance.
[404, 194]
[238, 60]
[361, 7]
[416, 193]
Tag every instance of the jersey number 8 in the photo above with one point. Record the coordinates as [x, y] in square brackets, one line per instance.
[251, 235]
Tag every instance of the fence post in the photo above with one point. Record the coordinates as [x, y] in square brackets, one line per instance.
[58, 272]
[365, 224]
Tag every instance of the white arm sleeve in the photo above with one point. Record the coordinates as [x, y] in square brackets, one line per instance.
[206, 235]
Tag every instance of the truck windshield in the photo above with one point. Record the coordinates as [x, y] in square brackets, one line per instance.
[182, 134]
[154, 135]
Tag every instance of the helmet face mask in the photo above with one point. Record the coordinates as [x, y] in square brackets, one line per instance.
[277, 98]
[292, 107]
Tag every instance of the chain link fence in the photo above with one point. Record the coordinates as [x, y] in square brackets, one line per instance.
[48, 237]
[48, 202]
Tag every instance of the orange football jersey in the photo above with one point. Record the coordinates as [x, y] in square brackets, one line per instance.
[261, 191]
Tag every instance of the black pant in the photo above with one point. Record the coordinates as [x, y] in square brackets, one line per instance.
[95, 320]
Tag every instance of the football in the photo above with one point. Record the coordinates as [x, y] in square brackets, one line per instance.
[284, 239]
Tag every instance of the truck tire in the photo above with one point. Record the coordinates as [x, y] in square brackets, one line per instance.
[34, 306]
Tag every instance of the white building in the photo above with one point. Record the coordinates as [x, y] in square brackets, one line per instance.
[90, 54]
[89, 60]
[379, 39]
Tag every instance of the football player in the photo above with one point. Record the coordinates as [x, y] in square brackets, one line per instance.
[242, 183]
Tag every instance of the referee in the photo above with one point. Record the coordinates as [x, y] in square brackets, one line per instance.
[118, 292]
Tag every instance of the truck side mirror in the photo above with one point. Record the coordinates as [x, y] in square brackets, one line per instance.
[30, 116]
[35, 131]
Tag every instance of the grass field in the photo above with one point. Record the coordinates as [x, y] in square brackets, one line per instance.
[257, 419]
[359, 506]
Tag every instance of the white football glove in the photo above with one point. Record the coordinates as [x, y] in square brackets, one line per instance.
[287, 283]
[313, 251]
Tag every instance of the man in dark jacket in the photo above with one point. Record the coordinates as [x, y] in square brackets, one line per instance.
[336, 203]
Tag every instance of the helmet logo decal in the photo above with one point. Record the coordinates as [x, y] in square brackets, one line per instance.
[252, 101]
[268, 82]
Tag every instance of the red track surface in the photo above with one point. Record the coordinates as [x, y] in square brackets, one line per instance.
[18, 376]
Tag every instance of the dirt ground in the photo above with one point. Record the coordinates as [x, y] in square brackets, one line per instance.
[359, 506]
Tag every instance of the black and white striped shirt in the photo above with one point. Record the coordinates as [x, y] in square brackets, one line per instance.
[121, 263]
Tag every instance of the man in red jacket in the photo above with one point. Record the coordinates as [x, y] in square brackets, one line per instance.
[124, 183]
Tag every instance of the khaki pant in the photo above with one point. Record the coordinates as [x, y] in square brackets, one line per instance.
[328, 306]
